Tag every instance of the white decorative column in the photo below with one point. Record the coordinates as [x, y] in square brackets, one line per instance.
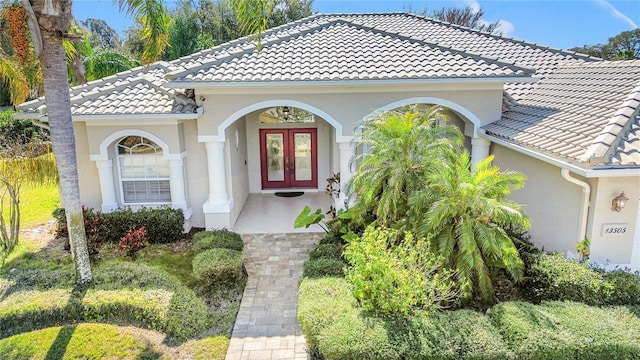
[347, 153]
[479, 150]
[218, 201]
[176, 179]
[107, 186]
[635, 247]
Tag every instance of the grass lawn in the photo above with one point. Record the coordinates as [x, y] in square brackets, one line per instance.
[36, 204]
[150, 307]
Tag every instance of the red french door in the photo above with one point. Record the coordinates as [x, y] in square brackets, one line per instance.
[288, 158]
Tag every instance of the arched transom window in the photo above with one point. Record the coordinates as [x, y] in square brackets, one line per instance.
[143, 171]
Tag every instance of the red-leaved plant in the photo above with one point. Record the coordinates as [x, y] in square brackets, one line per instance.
[133, 241]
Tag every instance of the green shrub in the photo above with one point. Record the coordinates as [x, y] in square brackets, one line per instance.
[219, 266]
[331, 238]
[625, 287]
[393, 274]
[322, 268]
[554, 277]
[334, 325]
[320, 302]
[217, 239]
[327, 251]
[93, 227]
[122, 292]
[163, 224]
[567, 330]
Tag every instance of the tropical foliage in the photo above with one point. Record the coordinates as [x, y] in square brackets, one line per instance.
[465, 213]
[414, 175]
[401, 147]
[624, 46]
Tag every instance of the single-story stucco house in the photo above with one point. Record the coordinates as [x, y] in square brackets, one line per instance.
[203, 132]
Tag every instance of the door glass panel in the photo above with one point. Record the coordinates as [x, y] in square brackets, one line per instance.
[302, 146]
[275, 157]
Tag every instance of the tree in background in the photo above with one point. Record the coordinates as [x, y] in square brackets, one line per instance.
[203, 24]
[624, 46]
[102, 35]
[466, 16]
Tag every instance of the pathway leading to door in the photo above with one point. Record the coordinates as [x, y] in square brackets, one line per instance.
[267, 324]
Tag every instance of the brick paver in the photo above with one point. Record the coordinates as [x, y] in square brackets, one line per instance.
[267, 324]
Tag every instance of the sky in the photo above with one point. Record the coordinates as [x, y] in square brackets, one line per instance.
[560, 24]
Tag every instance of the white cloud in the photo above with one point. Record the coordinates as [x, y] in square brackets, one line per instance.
[616, 13]
[473, 4]
[505, 26]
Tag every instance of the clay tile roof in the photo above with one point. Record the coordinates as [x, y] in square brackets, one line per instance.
[587, 113]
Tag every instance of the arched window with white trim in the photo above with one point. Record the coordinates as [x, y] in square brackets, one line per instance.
[143, 171]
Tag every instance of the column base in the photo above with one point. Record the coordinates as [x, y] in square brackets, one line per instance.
[109, 207]
[217, 215]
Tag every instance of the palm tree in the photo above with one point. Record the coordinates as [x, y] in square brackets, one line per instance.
[401, 147]
[465, 213]
[49, 23]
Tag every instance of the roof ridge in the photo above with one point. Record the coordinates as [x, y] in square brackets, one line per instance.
[445, 47]
[502, 37]
[598, 152]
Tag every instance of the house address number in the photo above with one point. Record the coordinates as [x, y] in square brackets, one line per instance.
[609, 230]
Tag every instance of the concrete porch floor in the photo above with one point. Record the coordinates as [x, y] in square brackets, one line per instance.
[271, 214]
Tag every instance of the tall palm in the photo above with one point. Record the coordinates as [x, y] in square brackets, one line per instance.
[465, 214]
[400, 148]
[49, 22]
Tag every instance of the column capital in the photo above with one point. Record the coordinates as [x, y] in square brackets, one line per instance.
[103, 164]
[214, 145]
[480, 141]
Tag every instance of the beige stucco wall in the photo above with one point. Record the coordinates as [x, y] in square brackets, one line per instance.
[613, 249]
[197, 175]
[484, 101]
[87, 170]
[237, 167]
[551, 202]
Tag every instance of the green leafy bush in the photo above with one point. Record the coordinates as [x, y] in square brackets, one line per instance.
[567, 330]
[124, 292]
[163, 224]
[323, 268]
[336, 328]
[219, 266]
[93, 227]
[217, 239]
[554, 277]
[625, 287]
[327, 251]
[393, 273]
[320, 302]
[15, 132]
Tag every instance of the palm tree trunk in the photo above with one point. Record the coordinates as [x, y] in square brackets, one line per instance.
[56, 92]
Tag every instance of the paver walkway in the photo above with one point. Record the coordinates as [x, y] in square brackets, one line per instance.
[267, 324]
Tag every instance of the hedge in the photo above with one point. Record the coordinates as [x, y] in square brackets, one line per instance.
[122, 292]
[337, 328]
[217, 239]
[327, 251]
[333, 324]
[552, 277]
[219, 266]
[323, 267]
[568, 330]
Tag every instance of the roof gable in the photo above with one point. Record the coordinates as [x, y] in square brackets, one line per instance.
[340, 50]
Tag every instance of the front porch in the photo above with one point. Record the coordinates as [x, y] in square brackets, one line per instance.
[270, 214]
